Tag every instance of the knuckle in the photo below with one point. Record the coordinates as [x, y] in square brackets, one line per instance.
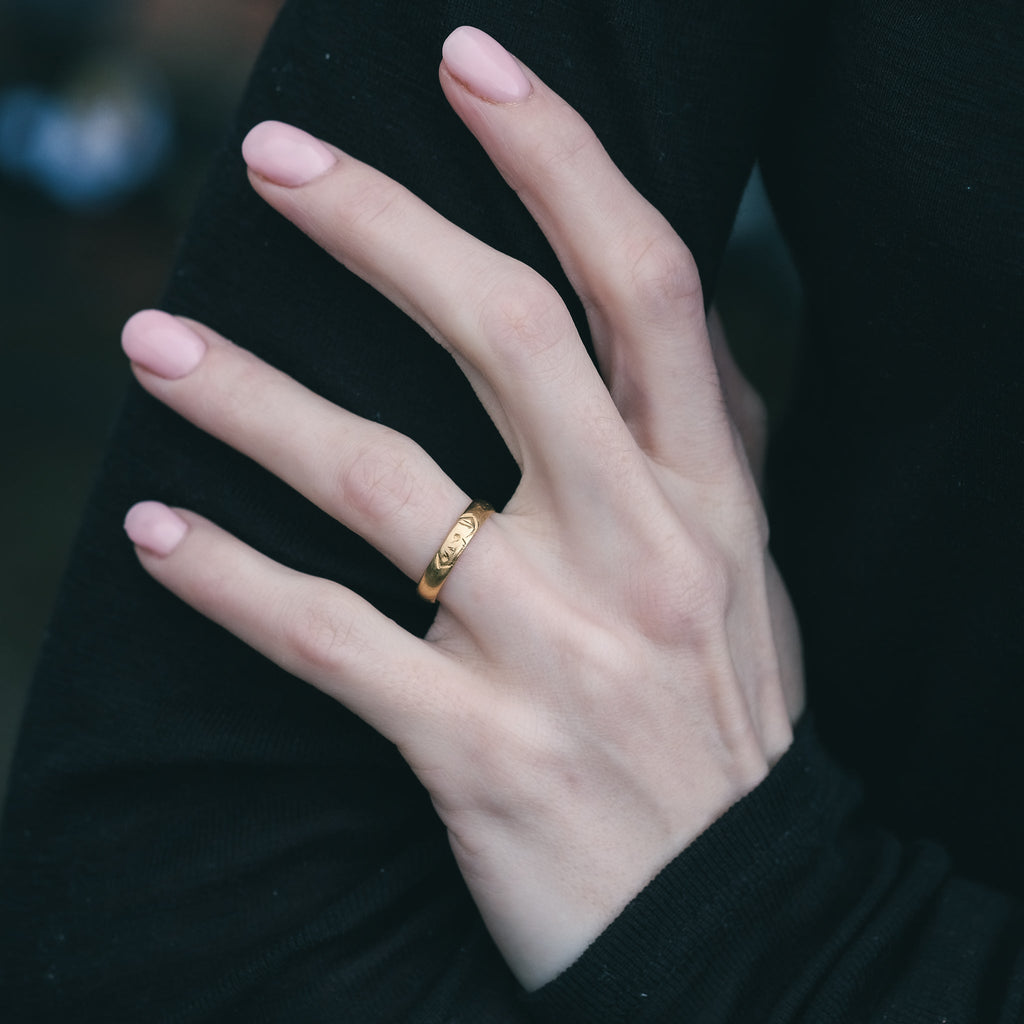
[559, 154]
[662, 279]
[315, 636]
[708, 589]
[687, 598]
[523, 316]
[377, 481]
[368, 202]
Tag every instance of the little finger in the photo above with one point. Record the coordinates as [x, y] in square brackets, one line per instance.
[317, 630]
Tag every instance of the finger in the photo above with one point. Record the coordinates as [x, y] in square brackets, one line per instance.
[312, 628]
[746, 407]
[371, 478]
[507, 326]
[636, 278]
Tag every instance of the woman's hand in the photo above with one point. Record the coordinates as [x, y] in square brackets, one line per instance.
[615, 660]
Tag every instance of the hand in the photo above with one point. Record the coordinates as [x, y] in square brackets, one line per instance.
[615, 661]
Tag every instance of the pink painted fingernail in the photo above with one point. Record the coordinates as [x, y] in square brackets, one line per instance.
[484, 66]
[286, 155]
[162, 344]
[155, 527]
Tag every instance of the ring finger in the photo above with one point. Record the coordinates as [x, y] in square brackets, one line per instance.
[376, 481]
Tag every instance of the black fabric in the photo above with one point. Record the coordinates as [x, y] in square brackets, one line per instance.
[899, 483]
[191, 835]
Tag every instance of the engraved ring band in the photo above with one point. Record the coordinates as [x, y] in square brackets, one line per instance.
[464, 530]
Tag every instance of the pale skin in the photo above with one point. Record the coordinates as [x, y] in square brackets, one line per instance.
[614, 660]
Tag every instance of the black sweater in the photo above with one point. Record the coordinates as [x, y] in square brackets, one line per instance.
[191, 835]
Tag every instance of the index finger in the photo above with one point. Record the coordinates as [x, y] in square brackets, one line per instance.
[635, 276]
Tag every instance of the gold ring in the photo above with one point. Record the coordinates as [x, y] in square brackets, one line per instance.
[448, 553]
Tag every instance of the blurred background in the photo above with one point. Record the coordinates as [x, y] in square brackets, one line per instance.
[109, 111]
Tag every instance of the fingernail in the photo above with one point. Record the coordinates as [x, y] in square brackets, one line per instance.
[153, 526]
[484, 66]
[162, 344]
[286, 155]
